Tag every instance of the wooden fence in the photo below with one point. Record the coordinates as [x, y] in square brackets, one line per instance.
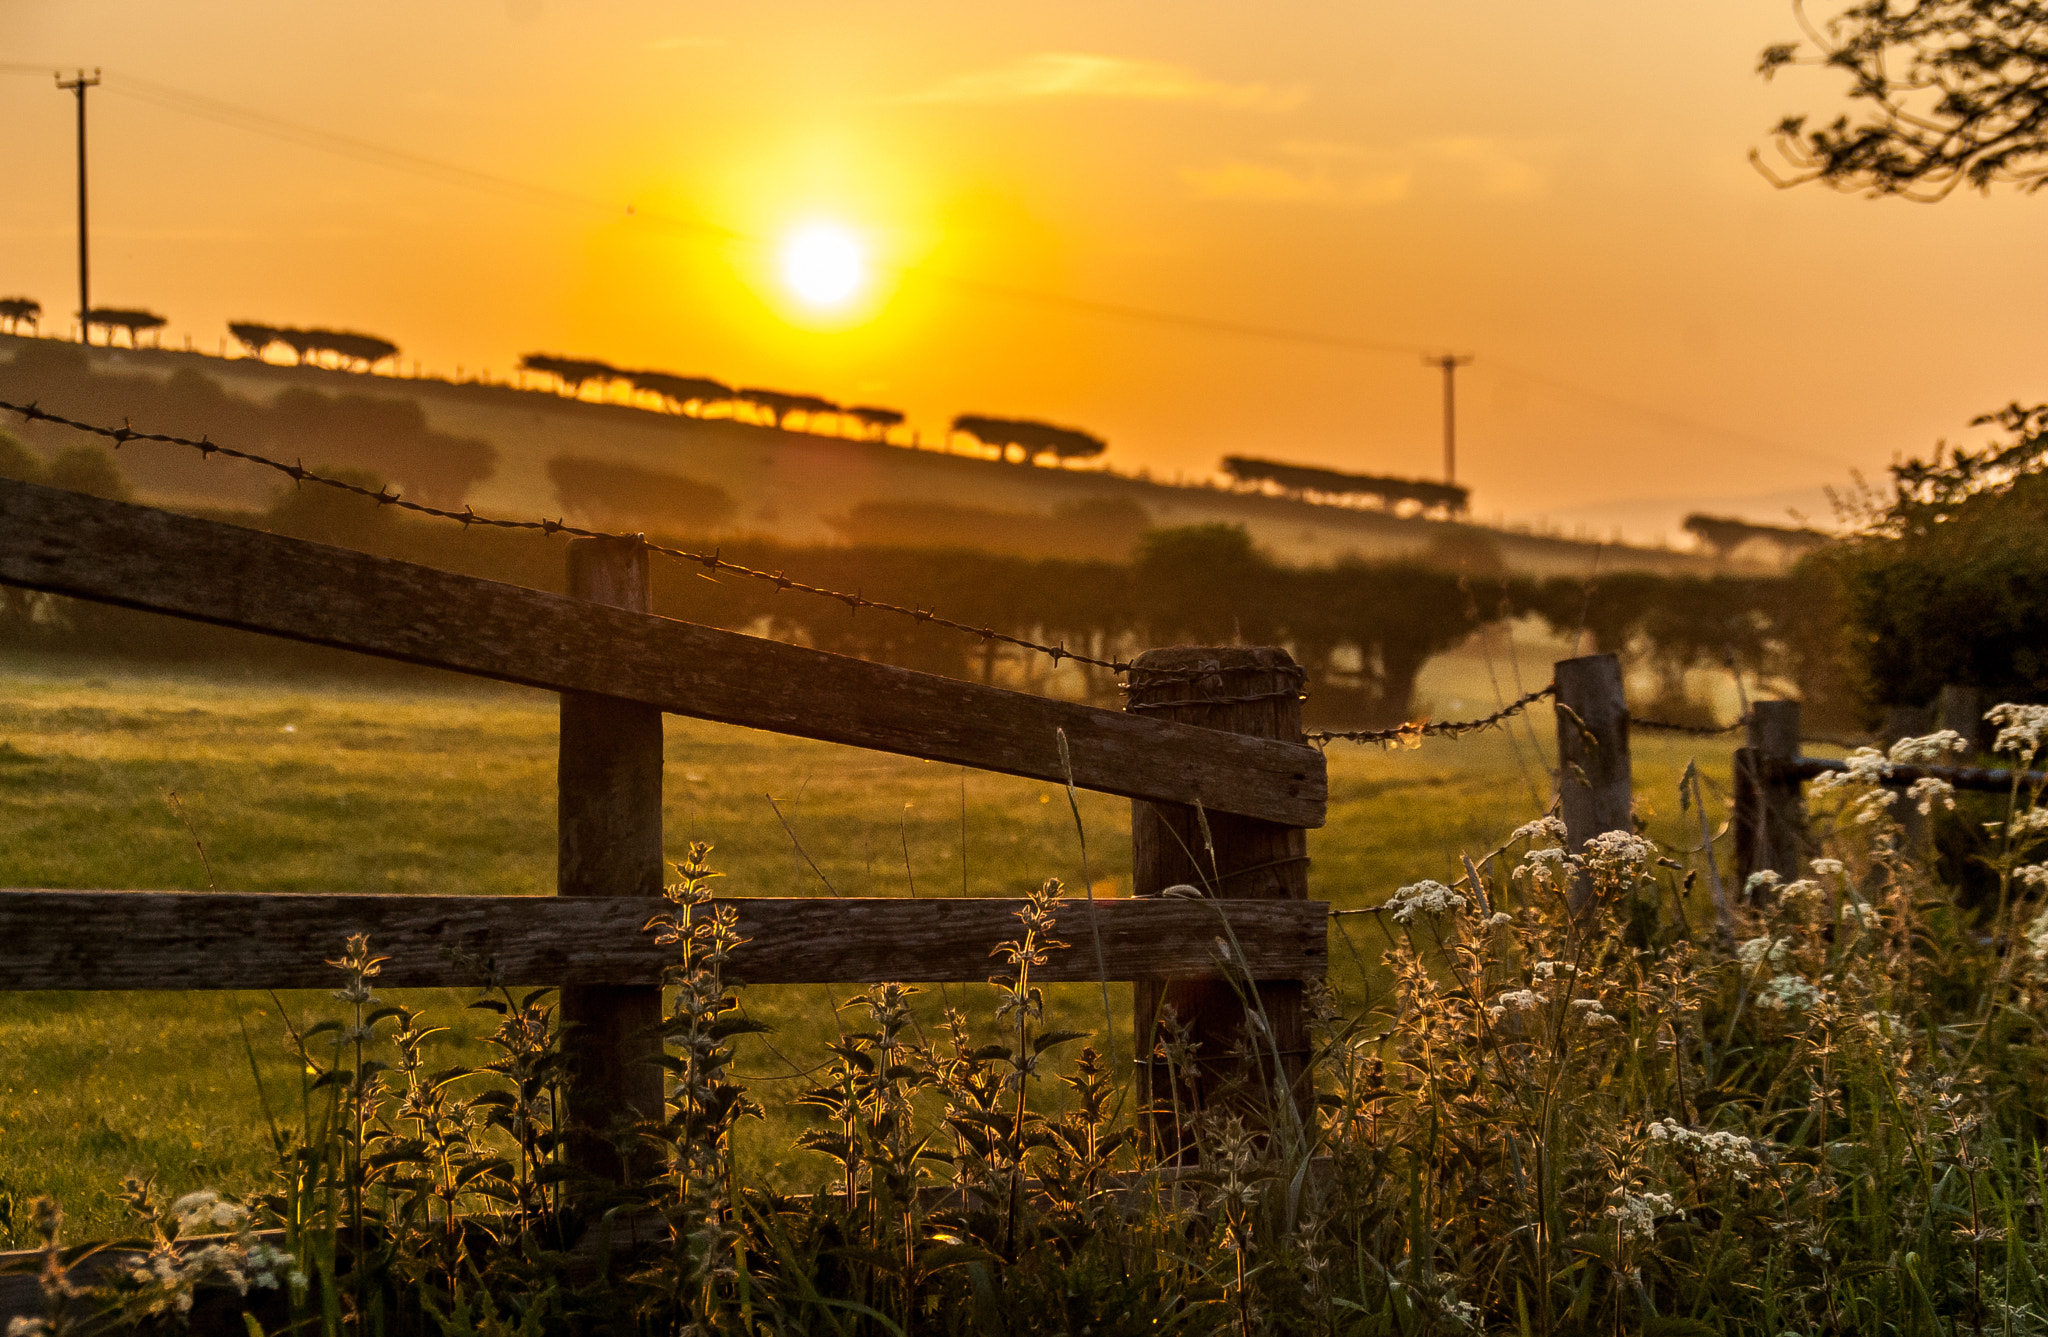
[1771, 832]
[1217, 743]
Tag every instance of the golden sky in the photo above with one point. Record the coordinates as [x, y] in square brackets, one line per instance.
[1561, 190]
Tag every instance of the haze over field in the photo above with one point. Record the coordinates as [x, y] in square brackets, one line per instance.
[930, 207]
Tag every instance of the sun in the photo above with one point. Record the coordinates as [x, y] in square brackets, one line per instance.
[825, 265]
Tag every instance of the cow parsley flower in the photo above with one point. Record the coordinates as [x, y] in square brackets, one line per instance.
[2021, 729]
[1715, 1151]
[1765, 950]
[1427, 897]
[1826, 867]
[1788, 993]
[1864, 766]
[1928, 749]
[1637, 1214]
[1927, 791]
[1543, 828]
[1619, 848]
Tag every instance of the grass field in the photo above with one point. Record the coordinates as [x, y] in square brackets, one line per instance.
[117, 777]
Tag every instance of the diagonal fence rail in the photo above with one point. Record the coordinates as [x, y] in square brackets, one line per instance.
[111, 552]
[1217, 749]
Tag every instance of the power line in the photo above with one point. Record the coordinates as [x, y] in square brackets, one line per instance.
[362, 150]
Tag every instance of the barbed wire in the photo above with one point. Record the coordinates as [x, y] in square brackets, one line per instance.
[467, 516]
[1412, 734]
[1697, 730]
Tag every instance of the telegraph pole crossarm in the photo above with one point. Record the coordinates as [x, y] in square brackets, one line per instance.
[77, 84]
[1449, 362]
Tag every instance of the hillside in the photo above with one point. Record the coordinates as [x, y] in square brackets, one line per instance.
[620, 465]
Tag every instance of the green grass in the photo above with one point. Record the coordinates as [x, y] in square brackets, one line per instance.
[297, 785]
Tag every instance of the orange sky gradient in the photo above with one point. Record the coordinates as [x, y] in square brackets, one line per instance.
[1560, 190]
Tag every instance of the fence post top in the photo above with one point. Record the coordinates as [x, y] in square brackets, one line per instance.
[1774, 727]
[1216, 658]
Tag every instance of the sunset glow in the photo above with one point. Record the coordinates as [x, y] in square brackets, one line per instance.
[824, 265]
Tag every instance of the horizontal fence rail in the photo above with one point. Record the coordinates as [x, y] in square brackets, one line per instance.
[130, 940]
[71, 544]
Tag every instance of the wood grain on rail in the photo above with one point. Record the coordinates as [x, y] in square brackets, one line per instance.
[116, 940]
[72, 544]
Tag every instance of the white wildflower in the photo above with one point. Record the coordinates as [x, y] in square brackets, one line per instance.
[1927, 791]
[1499, 919]
[1550, 970]
[1588, 1010]
[1864, 766]
[1759, 951]
[1544, 865]
[1862, 917]
[1463, 1313]
[1619, 848]
[1515, 1000]
[1543, 828]
[1428, 897]
[1715, 1151]
[2030, 822]
[2021, 729]
[1883, 1023]
[2037, 939]
[1637, 1214]
[19, 1326]
[1827, 867]
[1928, 748]
[1764, 880]
[2032, 875]
[1803, 893]
[1788, 993]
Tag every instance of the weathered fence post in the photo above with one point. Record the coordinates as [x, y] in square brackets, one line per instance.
[1961, 709]
[1593, 771]
[608, 830]
[1249, 690]
[1770, 805]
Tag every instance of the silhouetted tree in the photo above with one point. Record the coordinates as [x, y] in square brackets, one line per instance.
[89, 469]
[110, 318]
[17, 461]
[1297, 479]
[874, 421]
[781, 405]
[573, 373]
[1948, 584]
[611, 494]
[681, 392]
[1031, 437]
[253, 337]
[16, 311]
[1942, 93]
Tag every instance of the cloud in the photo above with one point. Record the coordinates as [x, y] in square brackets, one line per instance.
[1335, 173]
[1262, 183]
[1064, 74]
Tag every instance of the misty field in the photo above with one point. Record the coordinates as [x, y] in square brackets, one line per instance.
[115, 777]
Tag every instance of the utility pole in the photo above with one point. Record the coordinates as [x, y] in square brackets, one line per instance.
[1450, 362]
[78, 84]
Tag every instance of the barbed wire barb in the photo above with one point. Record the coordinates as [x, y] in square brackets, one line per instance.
[1412, 734]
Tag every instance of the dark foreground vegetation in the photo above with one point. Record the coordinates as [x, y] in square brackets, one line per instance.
[1821, 1114]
